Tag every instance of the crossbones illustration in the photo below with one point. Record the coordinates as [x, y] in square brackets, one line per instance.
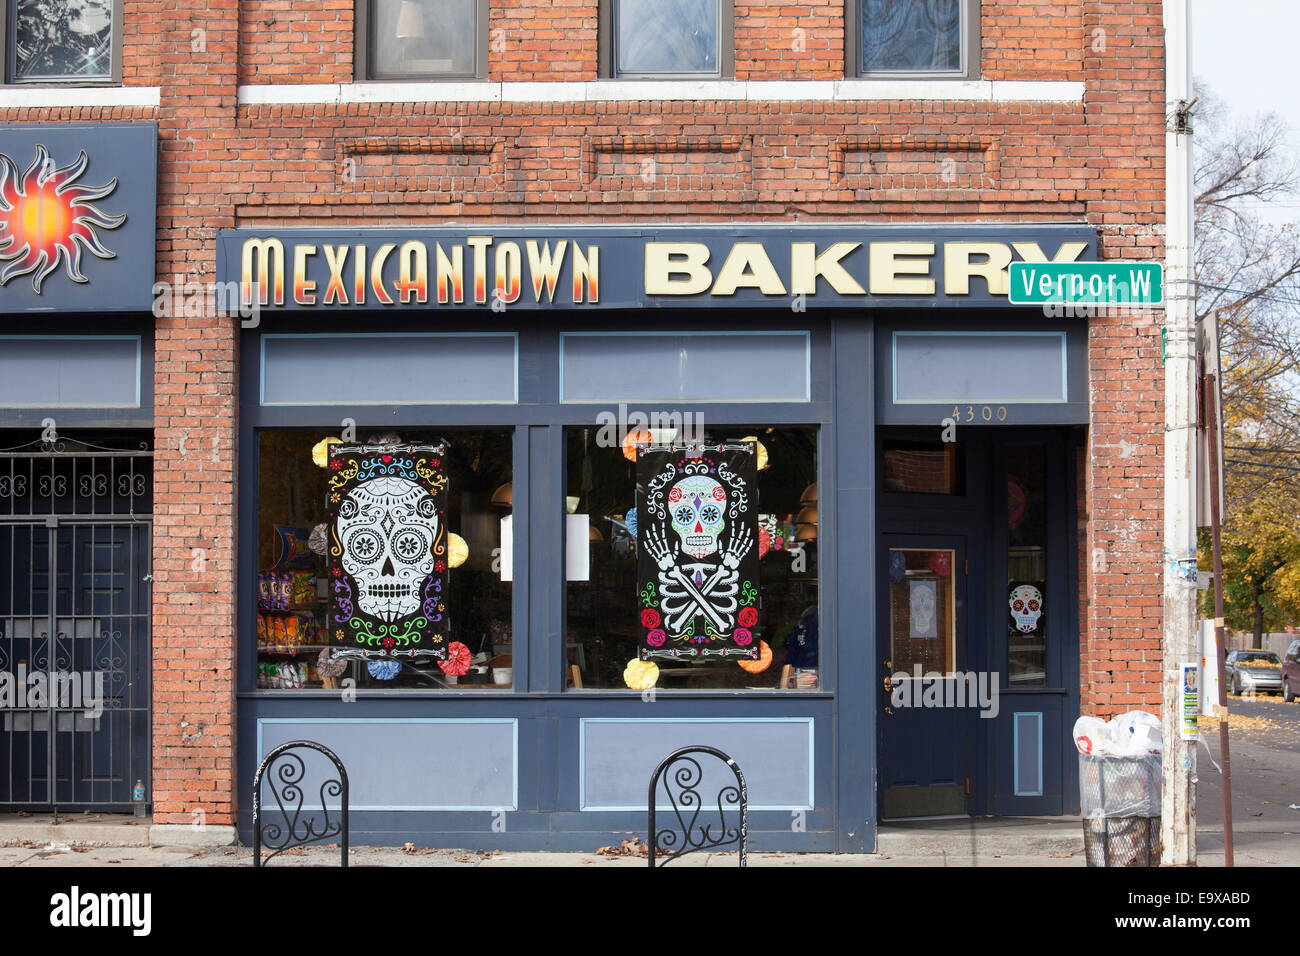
[708, 590]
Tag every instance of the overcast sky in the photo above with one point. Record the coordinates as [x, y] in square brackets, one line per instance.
[1248, 52]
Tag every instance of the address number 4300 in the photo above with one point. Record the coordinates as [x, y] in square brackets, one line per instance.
[986, 413]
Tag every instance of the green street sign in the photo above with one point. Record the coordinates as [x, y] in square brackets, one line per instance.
[1087, 283]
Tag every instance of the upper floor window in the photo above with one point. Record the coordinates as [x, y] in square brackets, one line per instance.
[422, 39]
[666, 38]
[920, 38]
[61, 41]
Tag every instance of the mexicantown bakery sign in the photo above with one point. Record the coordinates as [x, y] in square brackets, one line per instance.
[593, 267]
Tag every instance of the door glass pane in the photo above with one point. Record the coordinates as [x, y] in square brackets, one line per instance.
[1026, 596]
[922, 610]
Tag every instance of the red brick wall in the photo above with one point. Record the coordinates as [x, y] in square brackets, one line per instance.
[1126, 461]
[223, 165]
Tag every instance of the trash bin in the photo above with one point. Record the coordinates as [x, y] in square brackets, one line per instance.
[1119, 798]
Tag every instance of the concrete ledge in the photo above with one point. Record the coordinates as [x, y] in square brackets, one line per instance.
[607, 91]
[1034, 837]
[81, 96]
[73, 831]
[181, 834]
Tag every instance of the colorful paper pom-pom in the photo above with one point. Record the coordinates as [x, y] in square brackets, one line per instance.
[383, 670]
[641, 675]
[320, 453]
[328, 666]
[637, 436]
[457, 551]
[458, 660]
[764, 660]
[630, 520]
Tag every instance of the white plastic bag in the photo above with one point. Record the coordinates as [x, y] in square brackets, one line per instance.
[1134, 734]
[1091, 735]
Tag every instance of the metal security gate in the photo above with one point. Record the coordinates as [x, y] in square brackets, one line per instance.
[75, 523]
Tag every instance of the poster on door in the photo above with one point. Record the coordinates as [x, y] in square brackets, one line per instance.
[388, 551]
[923, 604]
[697, 551]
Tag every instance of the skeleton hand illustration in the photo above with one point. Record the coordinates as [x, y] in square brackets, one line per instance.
[739, 545]
[656, 545]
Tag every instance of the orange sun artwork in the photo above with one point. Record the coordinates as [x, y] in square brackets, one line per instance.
[47, 218]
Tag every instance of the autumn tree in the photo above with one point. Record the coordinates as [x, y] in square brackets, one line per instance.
[1248, 273]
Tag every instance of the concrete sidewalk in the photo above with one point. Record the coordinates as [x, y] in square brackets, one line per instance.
[107, 840]
[391, 856]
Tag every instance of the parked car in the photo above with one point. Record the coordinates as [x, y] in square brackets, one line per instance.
[1291, 673]
[1257, 672]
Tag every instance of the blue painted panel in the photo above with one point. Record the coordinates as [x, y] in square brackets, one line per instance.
[1028, 753]
[685, 367]
[1012, 370]
[618, 755]
[994, 367]
[1028, 775]
[414, 763]
[70, 371]
[389, 368]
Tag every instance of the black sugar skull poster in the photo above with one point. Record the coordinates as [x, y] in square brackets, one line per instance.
[388, 551]
[697, 551]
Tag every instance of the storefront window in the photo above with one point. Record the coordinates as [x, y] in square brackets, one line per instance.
[742, 564]
[1027, 596]
[415, 582]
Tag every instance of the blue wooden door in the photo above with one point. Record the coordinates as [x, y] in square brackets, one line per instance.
[924, 766]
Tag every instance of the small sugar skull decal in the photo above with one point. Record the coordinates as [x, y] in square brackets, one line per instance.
[1026, 603]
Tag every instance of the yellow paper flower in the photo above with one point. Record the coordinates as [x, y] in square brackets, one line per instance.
[641, 675]
[457, 551]
[759, 450]
[320, 452]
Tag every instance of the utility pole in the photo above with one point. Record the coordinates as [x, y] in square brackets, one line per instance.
[1178, 805]
[1212, 423]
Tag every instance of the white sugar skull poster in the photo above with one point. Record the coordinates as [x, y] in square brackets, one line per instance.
[388, 550]
[697, 547]
[923, 607]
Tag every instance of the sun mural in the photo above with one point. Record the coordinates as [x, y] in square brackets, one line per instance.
[47, 218]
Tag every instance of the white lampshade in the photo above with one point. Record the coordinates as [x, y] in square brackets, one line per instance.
[410, 21]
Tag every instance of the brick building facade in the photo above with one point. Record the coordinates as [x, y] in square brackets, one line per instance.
[263, 125]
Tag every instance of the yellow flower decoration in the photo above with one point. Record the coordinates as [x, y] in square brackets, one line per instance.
[320, 452]
[641, 675]
[759, 450]
[457, 551]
